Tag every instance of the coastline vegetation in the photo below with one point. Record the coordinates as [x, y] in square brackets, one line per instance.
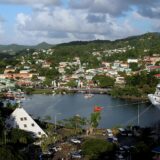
[137, 86]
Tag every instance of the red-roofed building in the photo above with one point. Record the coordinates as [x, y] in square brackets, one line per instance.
[153, 68]
[157, 76]
[18, 75]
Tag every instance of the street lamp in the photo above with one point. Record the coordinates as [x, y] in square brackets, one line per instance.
[55, 120]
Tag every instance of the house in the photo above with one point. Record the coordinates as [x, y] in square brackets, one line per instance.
[157, 76]
[106, 64]
[116, 64]
[120, 80]
[112, 73]
[61, 70]
[22, 120]
[46, 64]
[9, 70]
[151, 60]
[24, 71]
[153, 68]
[18, 75]
[124, 65]
[132, 61]
[24, 83]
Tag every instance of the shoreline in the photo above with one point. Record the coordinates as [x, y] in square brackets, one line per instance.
[66, 91]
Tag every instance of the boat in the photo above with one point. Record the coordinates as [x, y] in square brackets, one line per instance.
[88, 96]
[155, 98]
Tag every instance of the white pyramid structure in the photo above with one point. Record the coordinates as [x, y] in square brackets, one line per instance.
[22, 120]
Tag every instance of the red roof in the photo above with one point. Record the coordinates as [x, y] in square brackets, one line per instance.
[153, 67]
[157, 75]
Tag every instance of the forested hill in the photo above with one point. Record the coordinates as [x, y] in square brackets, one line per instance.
[135, 47]
[148, 41]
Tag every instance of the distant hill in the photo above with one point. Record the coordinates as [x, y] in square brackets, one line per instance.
[12, 48]
[43, 45]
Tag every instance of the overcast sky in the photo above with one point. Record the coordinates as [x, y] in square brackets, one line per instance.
[56, 21]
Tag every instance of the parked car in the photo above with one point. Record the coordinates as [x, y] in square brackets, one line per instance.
[76, 141]
[56, 148]
[45, 156]
[109, 133]
[76, 155]
[112, 139]
[122, 131]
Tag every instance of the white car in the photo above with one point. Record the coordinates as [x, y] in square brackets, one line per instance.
[110, 134]
[75, 141]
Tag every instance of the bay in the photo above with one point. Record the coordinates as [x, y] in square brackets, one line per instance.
[116, 112]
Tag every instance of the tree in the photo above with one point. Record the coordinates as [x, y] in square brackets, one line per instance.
[134, 66]
[94, 148]
[103, 81]
[72, 84]
[34, 78]
[20, 136]
[93, 122]
[95, 118]
[76, 122]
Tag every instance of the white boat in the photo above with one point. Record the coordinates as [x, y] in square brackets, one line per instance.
[87, 96]
[155, 98]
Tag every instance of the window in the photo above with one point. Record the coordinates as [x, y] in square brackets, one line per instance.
[25, 118]
[39, 133]
[25, 125]
[21, 119]
[32, 124]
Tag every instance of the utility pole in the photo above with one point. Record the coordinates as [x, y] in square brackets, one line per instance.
[138, 113]
[55, 121]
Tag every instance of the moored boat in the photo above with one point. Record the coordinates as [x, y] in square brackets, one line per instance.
[88, 96]
[155, 98]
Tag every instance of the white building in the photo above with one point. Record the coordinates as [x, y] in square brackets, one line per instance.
[132, 60]
[22, 120]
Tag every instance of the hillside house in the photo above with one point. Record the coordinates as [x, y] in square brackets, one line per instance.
[9, 70]
[120, 80]
[132, 61]
[153, 68]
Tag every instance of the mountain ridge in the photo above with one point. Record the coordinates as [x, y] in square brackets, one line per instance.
[44, 45]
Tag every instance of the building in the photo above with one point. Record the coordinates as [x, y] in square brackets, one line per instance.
[153, 68]
[6, 84]
[132, 61]
[22, 120]
[120, 80]
[9, 70]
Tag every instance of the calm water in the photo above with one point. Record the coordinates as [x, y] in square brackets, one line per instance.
[116, 112]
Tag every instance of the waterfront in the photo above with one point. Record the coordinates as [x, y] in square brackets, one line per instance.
[116, 112]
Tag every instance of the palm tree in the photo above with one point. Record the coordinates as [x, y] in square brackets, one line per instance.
[93, 122]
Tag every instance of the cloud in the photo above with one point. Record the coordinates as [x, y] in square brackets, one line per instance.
[114, 7]
[31, 2]
[52, 21]
[96, 18]
[68, 24]
[147, 8]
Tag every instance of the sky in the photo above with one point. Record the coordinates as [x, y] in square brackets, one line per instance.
[30, 22]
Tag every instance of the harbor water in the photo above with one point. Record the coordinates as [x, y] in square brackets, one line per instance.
[116, 112]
